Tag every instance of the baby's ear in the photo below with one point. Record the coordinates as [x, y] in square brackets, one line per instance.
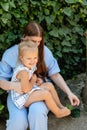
[20, 57]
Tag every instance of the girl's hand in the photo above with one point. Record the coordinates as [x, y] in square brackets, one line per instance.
[16, 86]
[74, 99]
[8, 85]
[18, 89]
[5, 85]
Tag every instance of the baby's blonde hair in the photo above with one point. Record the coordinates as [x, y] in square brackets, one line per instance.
[27, 45]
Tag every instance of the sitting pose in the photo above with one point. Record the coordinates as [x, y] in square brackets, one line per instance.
[37, 111]
[28, 58]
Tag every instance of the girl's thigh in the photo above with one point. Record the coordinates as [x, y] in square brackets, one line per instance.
[38, 113]
[14, 112]
[18, 118]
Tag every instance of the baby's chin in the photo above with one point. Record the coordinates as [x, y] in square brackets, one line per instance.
[31, 67]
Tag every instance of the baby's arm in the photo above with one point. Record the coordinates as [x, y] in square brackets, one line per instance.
[26, 84]
[33, 79]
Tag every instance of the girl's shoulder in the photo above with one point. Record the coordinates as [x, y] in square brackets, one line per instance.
[11, 50]
[10, 56]
[47, 51]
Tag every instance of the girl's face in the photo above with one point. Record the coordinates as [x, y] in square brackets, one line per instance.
[35, 39]
[29, 58]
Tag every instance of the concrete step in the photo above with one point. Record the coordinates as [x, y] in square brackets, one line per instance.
[67, 123]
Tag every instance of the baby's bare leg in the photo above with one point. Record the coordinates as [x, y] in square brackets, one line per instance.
[44, 95]
[49, 86]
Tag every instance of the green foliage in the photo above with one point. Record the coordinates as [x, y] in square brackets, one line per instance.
[69, 106]
[64, 23]
[1, 108]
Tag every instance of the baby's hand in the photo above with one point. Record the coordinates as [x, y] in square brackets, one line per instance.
[33, 79]
[39, 81]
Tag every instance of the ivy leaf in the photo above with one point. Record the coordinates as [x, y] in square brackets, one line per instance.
[1, 107]
[54, 32]
[12, 4]
[46, 11]
[66, 49]
[59, 54]
[63, 31]
[48, 20]
[84, 2]
[24, 7]
[16, 14]
[66, 43]
[5, 17]
[5, 6]
[78, 30]
[67, 11]
[70, 1]
[1, 11]
[70, 107]
[4, 20]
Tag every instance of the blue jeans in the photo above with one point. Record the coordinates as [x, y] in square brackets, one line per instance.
[35, 116]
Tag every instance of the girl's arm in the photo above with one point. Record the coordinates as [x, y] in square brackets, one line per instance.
[7, 64]
[8, 85]
[59, 81]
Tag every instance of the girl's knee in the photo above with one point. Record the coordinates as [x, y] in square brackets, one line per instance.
[17, 123]
[38, 113]
[38, 109]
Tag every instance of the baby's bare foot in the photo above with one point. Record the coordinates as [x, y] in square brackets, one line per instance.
[64, 112]
[61, 106]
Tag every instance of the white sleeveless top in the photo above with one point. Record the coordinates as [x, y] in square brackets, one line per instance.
[20, 68]
[20, 99]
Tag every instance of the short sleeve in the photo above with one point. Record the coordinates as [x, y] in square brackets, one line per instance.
[8, 63]
[51, 62]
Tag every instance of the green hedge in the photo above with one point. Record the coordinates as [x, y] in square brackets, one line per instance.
[64, 22]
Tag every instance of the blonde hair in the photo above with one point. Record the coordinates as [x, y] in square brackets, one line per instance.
[27, 45]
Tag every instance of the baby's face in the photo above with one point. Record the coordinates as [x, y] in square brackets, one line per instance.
[29, 58]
